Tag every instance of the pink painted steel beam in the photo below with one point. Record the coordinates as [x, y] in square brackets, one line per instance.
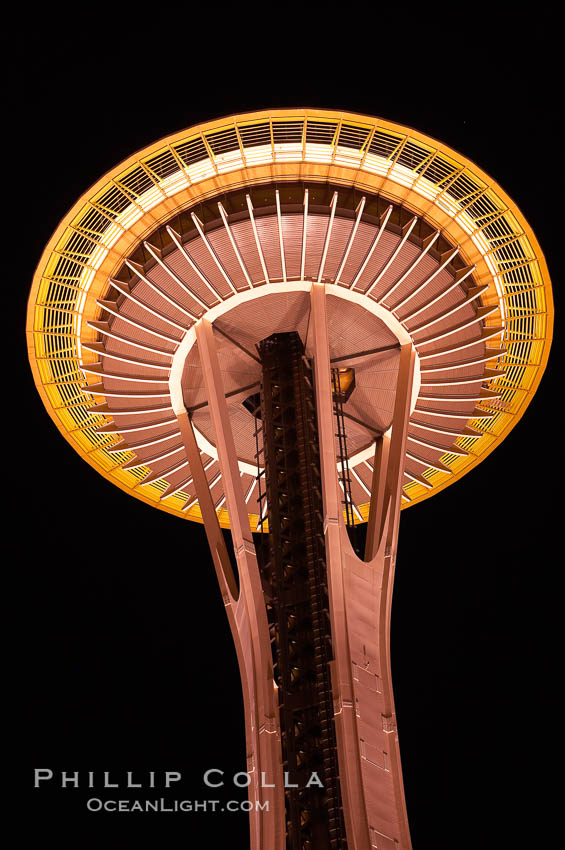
[249, 623]
[360, 596]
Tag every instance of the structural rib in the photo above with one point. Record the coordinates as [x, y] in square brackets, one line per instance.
[328, 236]
[125, 290]
[98, 348]
[138, 270]
[172, 489]
[98, 369]
[281, 240]
[453, 414]
[486, 333]
[434, 464]
[104, 410]
[457, 282]
[487, 375]
[371, 251]
[111, 427]
[112, 308]
[419, 479]
[471, 296]
[482, 394]
[426, 282]
[429, 243]
[156, 254]
[406, 231]
[454, 450]
[304, 229]
[213, 292]
[233, 243]
[200, 228]
[441, 429]
[257, 241]
[104, 329]
[481, 314]
[98, 389]
[135, 464]
[490, 354]
[124, 445]
[157, 476]
[359, 213]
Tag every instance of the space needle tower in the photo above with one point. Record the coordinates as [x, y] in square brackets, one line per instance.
[287, 323]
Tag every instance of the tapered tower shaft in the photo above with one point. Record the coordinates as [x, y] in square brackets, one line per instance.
[310, 620]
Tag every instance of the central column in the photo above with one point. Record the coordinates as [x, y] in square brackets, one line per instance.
[293, 568]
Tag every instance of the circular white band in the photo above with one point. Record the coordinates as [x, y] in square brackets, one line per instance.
[182, 352]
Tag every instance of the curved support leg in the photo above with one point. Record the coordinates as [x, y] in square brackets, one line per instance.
[246, 612]
[360, 601]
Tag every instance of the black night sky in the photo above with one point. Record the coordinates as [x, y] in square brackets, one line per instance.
[124, 659]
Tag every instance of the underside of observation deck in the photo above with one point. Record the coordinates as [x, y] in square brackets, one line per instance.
[240, 258]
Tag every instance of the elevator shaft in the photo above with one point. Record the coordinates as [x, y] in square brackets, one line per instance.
[293, 568]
